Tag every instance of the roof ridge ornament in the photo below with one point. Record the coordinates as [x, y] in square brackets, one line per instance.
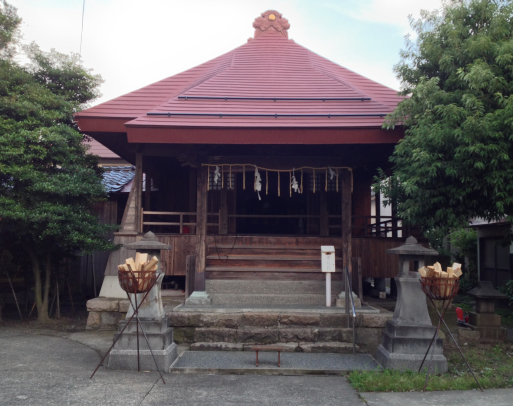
[271, 19]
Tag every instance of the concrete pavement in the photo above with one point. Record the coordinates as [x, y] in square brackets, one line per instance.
[37, 369]
[53, 368]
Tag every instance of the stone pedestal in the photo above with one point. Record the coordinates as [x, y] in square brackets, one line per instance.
[406, 337]
[341, 300]
[160, 337]
[198, 298]
[484, 320]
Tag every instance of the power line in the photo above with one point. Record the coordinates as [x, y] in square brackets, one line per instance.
[82, 31]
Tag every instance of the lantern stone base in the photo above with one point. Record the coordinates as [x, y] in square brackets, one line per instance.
[341, 300]
[403, 348]
[160, 337]
[198, 298]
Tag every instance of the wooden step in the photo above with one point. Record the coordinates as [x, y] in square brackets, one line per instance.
[264, 269]
[290, 264]
[257, 274]
[266, 250]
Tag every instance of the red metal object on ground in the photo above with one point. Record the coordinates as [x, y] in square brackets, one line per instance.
[268, 348]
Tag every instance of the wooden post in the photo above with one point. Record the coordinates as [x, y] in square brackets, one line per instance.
[201, 230]
[190, 270]
[346, 218]
[138, 186]
[193, 178]
[223, 211]
[357, 277]
[131, 222]
[324, 225]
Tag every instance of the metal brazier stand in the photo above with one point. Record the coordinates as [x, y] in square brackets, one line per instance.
[136, 282]
[443, 289]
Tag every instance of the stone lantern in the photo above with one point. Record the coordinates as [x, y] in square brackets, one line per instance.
[152, 307]
[153, 322]
[406, 337]
[484, 318]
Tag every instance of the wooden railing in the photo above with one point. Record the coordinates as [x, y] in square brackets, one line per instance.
[374, 226]
[363, 226]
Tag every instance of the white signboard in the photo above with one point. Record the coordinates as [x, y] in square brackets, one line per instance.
[328, 258]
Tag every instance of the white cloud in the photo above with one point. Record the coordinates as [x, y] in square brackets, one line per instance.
[393, 12]
[133, 43]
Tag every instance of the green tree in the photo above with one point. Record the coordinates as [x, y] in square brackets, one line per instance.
[48, 184]
[455, 161]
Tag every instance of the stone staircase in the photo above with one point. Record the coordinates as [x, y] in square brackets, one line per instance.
[268, 275]
[302, 331]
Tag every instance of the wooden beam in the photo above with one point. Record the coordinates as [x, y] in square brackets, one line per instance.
[346, 217]
[201, 227]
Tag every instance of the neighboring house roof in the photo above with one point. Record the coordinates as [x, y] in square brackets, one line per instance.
[479, 222]
[116, 177]
[269, 82]
[95, 148]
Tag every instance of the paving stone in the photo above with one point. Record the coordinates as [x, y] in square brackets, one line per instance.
[93, 321]
[375, 320]
[109, 320]
[124, 304]
[217, 347]
[178, 319]
[299, 319]
[102, 304]
[368, 336]
[183, 335]
[328, 347]
[333, 320]
[297, 334]
[287, 347]
[209, 334]
[335, 334]
[260, 319]
[257, 336]
[220, 320]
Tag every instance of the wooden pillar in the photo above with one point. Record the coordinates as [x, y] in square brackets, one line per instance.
[131, 222]
[201, 229]
[193, 182]
[324, 225]
[346, 218]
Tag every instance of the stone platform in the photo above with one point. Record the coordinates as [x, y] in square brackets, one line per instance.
[301, 328]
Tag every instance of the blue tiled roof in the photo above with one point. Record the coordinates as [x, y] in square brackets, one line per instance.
[116, 177]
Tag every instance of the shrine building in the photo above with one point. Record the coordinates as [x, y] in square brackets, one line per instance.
[252, 161]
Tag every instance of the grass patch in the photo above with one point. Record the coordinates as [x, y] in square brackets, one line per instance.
[493, 367]
[506, 316]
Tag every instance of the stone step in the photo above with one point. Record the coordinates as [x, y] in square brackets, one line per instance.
[271, 299]
[270, 287]
[318, 347]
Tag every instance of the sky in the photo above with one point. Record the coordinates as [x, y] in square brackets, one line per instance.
[133, 43]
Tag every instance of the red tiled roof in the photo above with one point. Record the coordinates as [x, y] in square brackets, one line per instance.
[269, 82]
